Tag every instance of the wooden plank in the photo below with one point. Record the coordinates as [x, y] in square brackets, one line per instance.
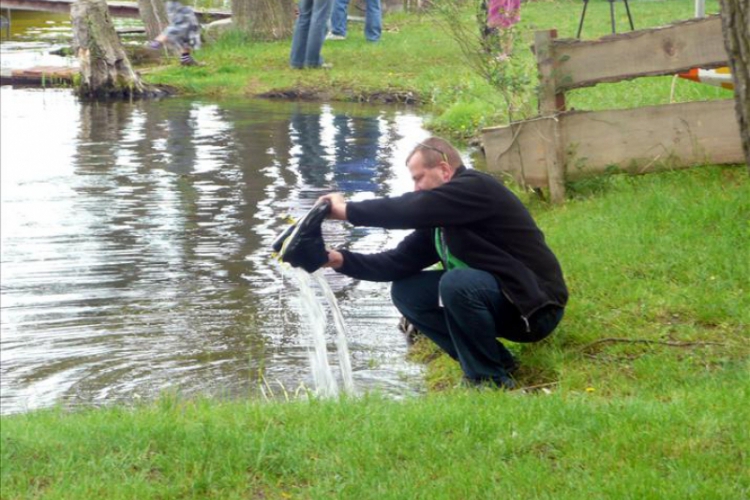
[645, 139]
[637, 140]
[519, 150]
[659, 51]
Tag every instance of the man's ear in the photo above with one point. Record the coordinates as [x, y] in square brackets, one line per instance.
[446, 171]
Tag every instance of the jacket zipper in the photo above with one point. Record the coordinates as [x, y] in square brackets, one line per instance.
[524, 318]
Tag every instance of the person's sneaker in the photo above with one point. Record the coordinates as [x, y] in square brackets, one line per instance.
[409, 330]
[334, 36]
[499, 382]
[187, 60]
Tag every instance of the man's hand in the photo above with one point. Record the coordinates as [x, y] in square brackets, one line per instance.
[335, 259]
[338, 205]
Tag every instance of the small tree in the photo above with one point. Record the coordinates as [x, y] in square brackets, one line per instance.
[264, 19]
[735, 17]
[489, 53]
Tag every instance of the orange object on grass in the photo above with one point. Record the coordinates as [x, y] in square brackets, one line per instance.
[719, 77]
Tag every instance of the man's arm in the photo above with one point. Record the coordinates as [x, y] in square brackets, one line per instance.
[414, 253]
[464, 200]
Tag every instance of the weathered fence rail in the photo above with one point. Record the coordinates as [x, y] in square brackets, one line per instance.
[562, 145]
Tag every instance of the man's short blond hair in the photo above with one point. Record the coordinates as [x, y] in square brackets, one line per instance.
[436, 149]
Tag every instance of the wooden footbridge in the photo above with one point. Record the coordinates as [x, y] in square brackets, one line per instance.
[117, 9]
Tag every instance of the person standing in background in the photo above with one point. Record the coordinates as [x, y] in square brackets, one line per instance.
[373, 20]
[502, 16]
[309, 33]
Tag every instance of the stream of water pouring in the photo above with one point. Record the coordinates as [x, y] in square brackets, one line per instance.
[312, 309]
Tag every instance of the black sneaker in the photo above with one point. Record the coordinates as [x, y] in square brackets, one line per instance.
[497, 382]
[303, 246]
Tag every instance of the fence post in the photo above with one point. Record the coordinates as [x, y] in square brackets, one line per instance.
[551, 102]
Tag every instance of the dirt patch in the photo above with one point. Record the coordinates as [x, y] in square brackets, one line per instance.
[305, 94]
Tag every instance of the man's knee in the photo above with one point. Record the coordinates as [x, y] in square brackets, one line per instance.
[453, 284]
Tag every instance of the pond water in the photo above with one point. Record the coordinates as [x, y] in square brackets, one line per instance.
[136, 245]
[36, 38]
[32, 37]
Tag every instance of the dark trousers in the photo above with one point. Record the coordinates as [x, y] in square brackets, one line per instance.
[474, 313]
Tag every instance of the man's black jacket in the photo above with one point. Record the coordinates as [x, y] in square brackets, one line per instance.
[485, 225]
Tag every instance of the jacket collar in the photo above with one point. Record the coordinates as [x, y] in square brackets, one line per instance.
[459, 170]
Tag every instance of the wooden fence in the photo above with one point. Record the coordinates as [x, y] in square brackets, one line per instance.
[561, 145]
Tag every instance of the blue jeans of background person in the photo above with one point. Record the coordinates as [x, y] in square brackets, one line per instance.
[373, 19]
[475, 313]
[309, 33]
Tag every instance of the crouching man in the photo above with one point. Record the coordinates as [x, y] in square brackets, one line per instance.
[499, 279]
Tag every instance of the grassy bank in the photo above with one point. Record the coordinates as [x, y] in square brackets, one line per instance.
[418, 60]
[689, 442]
[642, 392]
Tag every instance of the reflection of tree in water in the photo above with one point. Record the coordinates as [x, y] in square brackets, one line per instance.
[104, 188]
[166, 198]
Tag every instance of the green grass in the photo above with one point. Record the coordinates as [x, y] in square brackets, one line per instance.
[642, 392]
[417, 59]
[689, 442]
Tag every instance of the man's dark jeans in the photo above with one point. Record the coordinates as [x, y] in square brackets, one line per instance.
[473, 315]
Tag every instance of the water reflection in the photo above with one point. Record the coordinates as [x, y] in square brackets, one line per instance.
[135, 243]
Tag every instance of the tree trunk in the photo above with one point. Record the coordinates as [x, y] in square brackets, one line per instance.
[154, 16]
[105, 69]
[264, 19]
[735, 17]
